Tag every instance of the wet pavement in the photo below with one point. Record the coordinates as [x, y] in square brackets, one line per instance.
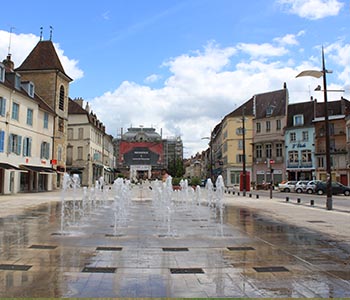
[194, 253]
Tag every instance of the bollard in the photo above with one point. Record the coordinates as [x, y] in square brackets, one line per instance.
[233, 192]
[257, 196]
[287, 199]
[299, 200]
[229, 192]
[312, 202]
[237, 193]
[250, 195]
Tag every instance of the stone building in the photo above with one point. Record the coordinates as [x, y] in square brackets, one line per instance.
[43, 67]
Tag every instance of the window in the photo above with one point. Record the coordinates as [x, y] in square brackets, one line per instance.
[258, 127]
[2, 73]
[29, 117]
[61, 102]
[46, 120]
[278, 125]
[320, 161]
[70, 133]
[306, 156]
[2, 106]
[239, 131]
[45, 150]
[293, 156]
[331, 128]
[18, 82]
[279, 149]
[80, 153]
[15, 143]
[59, 153]
[268, 150]
[15, 111]
[240, 144]
[298, 120]
[31, 89]
[292, 137]
[305, 136]
[239, 158]
[258, 151]
[268, 126]
[27, 147]
[269, 110]
[81, 133]
[2, 141]
[69, 155]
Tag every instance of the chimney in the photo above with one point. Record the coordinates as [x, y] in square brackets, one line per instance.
[9, 64]
[87, 107]
[285, 85]
[79, 101]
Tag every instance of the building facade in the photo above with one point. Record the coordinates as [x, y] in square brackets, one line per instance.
[26, 134]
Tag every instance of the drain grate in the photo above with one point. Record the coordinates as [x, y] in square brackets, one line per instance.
[114, 235]
[186, 271]
[15, 267]
[44, 247]
[270, 269]
[99, 270]
[109, 248]
[316, 221]
[175, 249]
[240, 248]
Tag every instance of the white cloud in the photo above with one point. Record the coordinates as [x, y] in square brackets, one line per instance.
[152, 78]
[23, 44]
[289, 39]
[262, 50]
[312, 9]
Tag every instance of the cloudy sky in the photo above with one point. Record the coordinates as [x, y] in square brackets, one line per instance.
[182, 65]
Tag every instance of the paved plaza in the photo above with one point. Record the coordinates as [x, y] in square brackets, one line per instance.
[255, 248]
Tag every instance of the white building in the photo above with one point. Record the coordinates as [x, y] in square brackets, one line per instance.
[26, 134]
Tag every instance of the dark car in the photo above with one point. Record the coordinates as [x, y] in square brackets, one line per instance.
[337, 188]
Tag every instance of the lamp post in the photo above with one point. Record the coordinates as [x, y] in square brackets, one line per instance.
[243, 148]
[318, 74]
[210, 155]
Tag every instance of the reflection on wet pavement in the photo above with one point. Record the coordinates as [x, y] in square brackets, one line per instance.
[255, 257]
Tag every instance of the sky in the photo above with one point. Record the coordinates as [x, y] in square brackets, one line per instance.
[180, 66]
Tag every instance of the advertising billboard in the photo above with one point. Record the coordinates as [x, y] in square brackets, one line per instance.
[141, 153]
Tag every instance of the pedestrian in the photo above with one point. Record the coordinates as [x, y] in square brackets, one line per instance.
[165, 175]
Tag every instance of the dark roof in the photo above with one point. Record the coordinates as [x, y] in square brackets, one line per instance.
[75, 109]
[238, 112]
[304, 108]
[42, 57]
[277, 100]
[338, 107]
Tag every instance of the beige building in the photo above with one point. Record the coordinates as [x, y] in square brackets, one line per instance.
[90, 149]
[26, 133]
[43, 67]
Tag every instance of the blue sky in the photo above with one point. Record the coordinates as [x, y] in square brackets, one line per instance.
[181, 66]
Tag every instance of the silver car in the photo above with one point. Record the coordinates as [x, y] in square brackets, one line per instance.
[311, 186]
[300, 186]
[287, 186]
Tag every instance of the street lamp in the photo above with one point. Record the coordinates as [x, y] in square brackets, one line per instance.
[243, 148]
[210, 155]
[319, 74]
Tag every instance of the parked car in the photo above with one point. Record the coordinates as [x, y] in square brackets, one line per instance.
[311, 186]
[287, 186]
[300, 186]
[337, 188]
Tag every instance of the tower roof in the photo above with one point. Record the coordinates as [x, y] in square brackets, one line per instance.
[42, 57]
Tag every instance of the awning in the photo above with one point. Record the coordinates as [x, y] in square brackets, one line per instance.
[39, 169]
[8, 167]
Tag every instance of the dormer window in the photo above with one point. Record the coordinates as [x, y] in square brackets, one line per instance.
[298, 120]
[18, 82]
[2, 73]
[269, 110]
[28, 86]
